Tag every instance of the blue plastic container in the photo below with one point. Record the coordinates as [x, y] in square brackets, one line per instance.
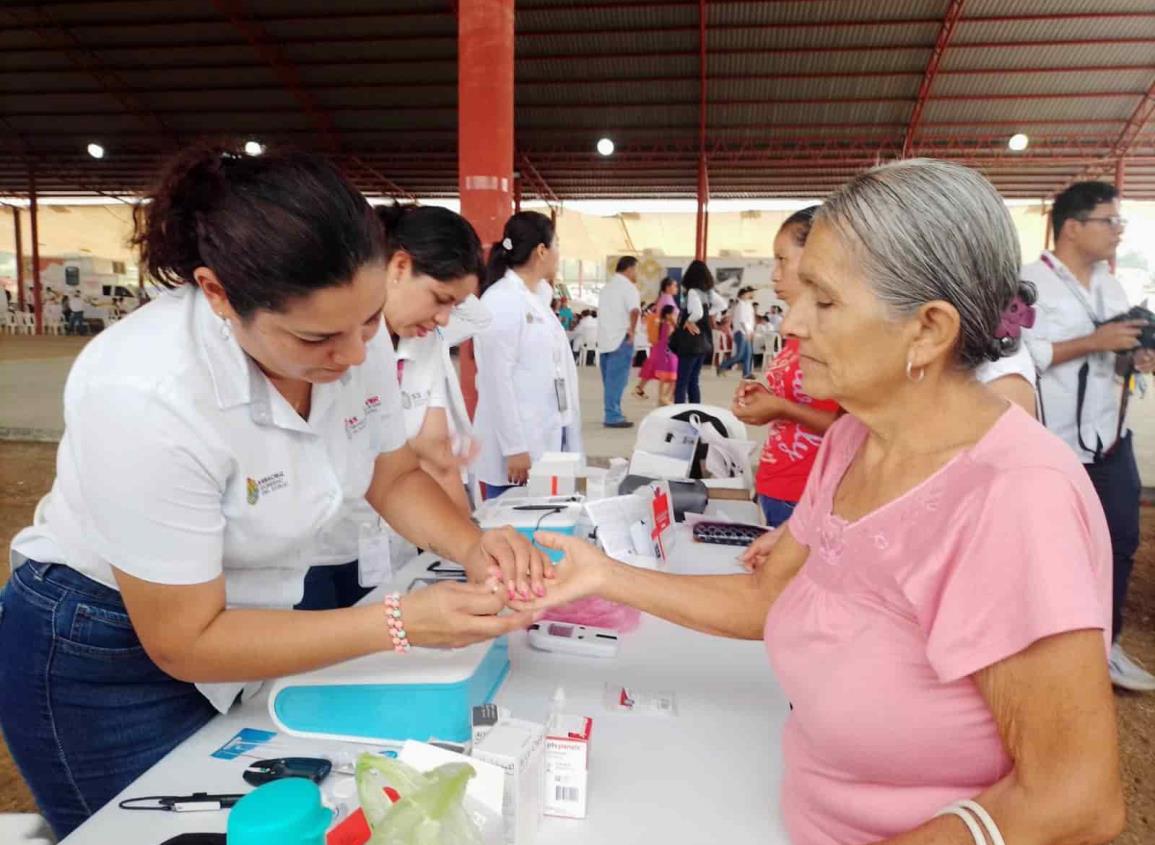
[422, 695]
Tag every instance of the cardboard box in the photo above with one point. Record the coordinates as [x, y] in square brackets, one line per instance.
[567, 750]
[518, 747]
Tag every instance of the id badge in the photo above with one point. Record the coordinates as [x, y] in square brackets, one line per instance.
[375, 564]
[562, 395]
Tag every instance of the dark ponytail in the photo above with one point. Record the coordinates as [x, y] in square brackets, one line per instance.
[442, 244]
[272, 227]
[523, 233]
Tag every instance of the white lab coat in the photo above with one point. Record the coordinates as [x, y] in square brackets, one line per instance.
[519, 355]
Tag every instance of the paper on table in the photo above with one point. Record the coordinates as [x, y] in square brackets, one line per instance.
[613, 517]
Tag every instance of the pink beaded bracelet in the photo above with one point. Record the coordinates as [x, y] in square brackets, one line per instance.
[396, 627]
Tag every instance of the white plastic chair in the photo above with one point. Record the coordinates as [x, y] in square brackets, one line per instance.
[25, 323]
[584, 347]
[652, 426]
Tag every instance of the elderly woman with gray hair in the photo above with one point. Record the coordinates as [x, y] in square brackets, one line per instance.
[936, 609]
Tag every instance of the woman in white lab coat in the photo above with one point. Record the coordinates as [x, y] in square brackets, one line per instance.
[527, 389]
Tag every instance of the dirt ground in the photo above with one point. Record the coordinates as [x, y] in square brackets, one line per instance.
[26, 472]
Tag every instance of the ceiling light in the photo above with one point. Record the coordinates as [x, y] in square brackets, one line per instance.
[254, 148]
[606, 147]
[1018, 142]
[96, 151]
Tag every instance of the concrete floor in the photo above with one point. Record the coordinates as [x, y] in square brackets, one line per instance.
[33, 370]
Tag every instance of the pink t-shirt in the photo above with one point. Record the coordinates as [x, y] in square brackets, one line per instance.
[875, 639]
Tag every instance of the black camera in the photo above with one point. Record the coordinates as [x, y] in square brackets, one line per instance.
[1146, 333]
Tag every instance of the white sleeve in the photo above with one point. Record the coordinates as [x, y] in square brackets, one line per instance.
[496, 353]
[693, 306]
[633, 299]
[1018, 364]
[148, 480]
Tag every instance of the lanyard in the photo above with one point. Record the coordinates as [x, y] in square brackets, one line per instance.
[1073, 286]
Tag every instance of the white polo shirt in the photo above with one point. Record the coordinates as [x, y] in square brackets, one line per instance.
[1066, 310]
[743, 319]
[180, 461]
[617, 299]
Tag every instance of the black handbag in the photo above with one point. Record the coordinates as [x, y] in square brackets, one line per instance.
[682, 343]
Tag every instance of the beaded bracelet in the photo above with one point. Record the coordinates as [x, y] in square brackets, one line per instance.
[396, 627]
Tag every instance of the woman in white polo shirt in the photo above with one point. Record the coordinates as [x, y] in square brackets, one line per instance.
[212, 442]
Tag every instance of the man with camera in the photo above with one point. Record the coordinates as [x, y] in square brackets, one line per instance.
[1086, 342]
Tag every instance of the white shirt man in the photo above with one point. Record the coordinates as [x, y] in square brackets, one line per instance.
[618, 309]
[1075, 350]
[742, 317]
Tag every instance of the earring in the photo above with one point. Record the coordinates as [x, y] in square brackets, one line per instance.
[226, 329]
[910, 372]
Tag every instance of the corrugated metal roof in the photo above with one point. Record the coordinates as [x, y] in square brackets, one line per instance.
[801, 93]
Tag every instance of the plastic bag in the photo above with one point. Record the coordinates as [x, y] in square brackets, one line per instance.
[431, 808]
[596, 612]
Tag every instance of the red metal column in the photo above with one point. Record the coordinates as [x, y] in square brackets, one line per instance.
[19, 260]
[1120, 174]
[484, 132]
[37, 294]
[703, 177]
[485, 113]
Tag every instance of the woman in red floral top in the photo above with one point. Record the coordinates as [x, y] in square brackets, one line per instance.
[797, 422]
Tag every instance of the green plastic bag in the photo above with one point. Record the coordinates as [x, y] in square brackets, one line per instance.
[430, 811]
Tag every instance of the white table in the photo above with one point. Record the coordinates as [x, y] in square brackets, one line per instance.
[710, 773]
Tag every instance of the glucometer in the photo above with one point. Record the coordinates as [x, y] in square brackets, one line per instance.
[573, 639]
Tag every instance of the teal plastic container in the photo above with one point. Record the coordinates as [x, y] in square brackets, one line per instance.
[392, 711]
[284, 812]
[552, 554]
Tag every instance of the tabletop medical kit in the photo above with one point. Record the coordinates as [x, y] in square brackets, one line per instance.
[528, 516]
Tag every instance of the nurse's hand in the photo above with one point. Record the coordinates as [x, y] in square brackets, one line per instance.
[451, 615]
[509, 557]
[517, 468]
[582, 572]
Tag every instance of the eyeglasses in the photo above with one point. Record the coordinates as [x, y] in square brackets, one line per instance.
[1114, 221]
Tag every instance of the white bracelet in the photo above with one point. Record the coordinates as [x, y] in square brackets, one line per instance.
[972, 825]
[988, 822]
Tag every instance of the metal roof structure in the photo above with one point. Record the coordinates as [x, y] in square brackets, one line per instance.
[784, 98]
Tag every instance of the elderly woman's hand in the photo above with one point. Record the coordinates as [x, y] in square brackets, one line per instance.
[758, 552]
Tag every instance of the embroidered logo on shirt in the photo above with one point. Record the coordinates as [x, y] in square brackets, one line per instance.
[255, 488]
[353, 425]
[372, 404]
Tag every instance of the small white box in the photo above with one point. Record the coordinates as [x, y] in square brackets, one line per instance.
[567, 758]
[518, 747]
[485, 717]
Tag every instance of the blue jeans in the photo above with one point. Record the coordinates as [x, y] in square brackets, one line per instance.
[1116, 480]
[332, 587]
[615, 376]
[743, 354]
[776, 511]
[83, 708]
[689, 373]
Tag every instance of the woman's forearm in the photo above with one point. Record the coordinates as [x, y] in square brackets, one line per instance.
[421, 511]
[282, 642]
[726, 605]
[1058, 813]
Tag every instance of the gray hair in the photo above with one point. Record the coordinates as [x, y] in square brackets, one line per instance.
[928, 230]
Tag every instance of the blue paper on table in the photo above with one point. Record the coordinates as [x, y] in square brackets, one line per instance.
[245, 741]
